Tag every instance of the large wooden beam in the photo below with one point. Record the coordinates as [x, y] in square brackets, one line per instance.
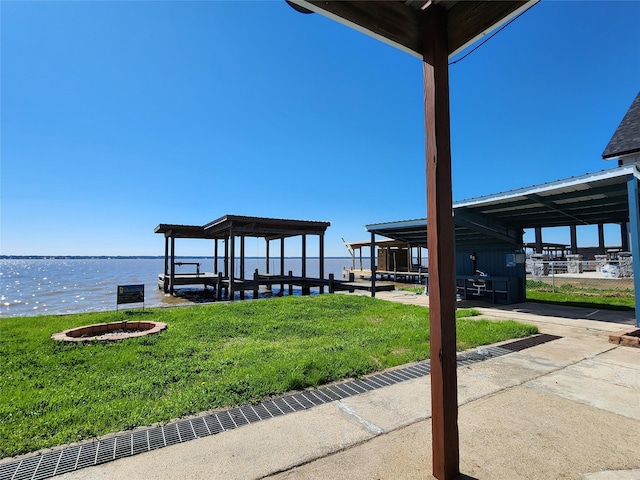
[399, 24]
[440, 233]
[389, 21]
[469, 20]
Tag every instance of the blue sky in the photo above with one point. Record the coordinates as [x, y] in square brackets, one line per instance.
[117, 116]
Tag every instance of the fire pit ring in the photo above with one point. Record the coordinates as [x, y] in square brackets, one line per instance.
[109, 331]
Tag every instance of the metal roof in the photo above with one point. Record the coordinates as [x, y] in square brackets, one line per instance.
[269, 228]
[583, 200]
[180, 231]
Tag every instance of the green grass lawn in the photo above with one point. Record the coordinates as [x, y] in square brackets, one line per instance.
[211, 356]
[413, 289]
[606, 299]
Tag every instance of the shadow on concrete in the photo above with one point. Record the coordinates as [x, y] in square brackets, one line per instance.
[626, 317]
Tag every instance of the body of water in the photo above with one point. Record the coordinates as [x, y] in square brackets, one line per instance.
[57, 286]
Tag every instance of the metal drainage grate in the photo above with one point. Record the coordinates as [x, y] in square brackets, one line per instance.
[57, 462]
[529, 342]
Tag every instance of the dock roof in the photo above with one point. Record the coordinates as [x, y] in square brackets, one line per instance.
[269, 228]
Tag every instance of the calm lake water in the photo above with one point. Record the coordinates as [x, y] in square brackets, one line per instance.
[57, 286]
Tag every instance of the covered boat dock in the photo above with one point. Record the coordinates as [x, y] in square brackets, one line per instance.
[396, 260]
[229, 233]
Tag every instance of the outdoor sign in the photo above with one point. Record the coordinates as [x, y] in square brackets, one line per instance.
[130, 294]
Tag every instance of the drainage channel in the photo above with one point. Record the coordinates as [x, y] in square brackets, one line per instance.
[57, 462]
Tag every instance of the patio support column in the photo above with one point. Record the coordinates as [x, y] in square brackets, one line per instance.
[601, 247]
[624, 237]
[440, 238]
[538, 231]
[574, 239]
[634, 227]
[373, 264]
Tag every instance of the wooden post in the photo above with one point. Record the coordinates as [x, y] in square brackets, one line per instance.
[290, 284]
[353, 259]
[373, 264]
[331, 280]
[173, 263]
[226, 257]
[304, 256]
[282, 264]
[256, 285]
[267, 258]
[304, 287]
[266, 255]
[166, 255]
[232, 264]
[574, 239]
[219, 287]
[321, 266]
[440, 240]
[215, 256]
[226, 262]
[242, 266]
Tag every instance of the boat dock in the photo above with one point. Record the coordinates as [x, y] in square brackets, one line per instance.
[230, 230]
[391, 276]
[223, 285]
[397, 261]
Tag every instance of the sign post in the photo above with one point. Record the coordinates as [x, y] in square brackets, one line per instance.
[130, 294]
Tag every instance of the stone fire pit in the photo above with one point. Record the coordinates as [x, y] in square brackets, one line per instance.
[109, 331]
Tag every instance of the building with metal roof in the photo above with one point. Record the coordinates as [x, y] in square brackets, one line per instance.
[489, 229]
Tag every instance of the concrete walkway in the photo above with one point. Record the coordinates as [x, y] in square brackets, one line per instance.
[565, 409]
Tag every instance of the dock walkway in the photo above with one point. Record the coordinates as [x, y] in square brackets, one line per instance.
[223, 285]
